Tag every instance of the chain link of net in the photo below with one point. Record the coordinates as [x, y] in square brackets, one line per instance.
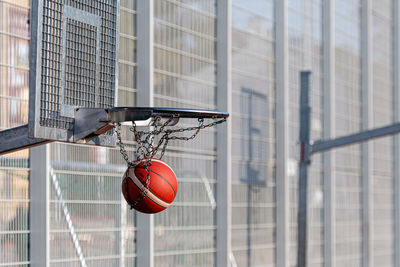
[146, 150]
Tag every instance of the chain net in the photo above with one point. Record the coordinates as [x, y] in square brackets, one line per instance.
[147, 148]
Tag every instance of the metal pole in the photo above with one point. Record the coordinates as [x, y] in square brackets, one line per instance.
[282, 126]
[224, 134]
[122, 220]
[305, 112]
[145, 72]
[367, 121]
[329, 132]
[396, 139]
[39, 214]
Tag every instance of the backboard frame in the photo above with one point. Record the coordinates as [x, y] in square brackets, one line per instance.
[35, 130]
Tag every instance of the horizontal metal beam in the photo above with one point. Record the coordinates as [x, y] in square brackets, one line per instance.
[323, 145]
[17, 138]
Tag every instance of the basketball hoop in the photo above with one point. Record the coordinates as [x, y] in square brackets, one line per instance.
[146, 149]
[163, 127]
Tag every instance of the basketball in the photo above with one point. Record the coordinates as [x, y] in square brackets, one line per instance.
[161, 191]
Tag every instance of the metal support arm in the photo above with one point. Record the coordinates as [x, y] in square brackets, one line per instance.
[323, 145]
[17, 138]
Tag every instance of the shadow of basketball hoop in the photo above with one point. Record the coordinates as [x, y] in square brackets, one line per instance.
[253, 174]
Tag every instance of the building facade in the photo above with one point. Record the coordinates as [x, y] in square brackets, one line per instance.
[237, 199]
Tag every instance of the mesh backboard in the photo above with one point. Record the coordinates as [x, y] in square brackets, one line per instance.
[73, 63]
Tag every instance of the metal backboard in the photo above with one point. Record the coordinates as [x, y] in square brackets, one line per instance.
[73, 63]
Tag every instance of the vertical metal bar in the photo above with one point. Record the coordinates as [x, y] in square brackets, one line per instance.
[121, 236]
[305, 112]
[224, 133]
[145, 67]
[396, 138]
[308, 44]
[122, 232]
[145, 52]
[329, 131]
[282, 125]
[366, 148]
[39, 214]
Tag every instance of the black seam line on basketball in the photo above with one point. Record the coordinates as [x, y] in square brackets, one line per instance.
[150, 198]
[163, 179]
[166, 181]
[127, 194]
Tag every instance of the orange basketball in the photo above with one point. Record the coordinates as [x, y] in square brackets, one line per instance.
[161, 191]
